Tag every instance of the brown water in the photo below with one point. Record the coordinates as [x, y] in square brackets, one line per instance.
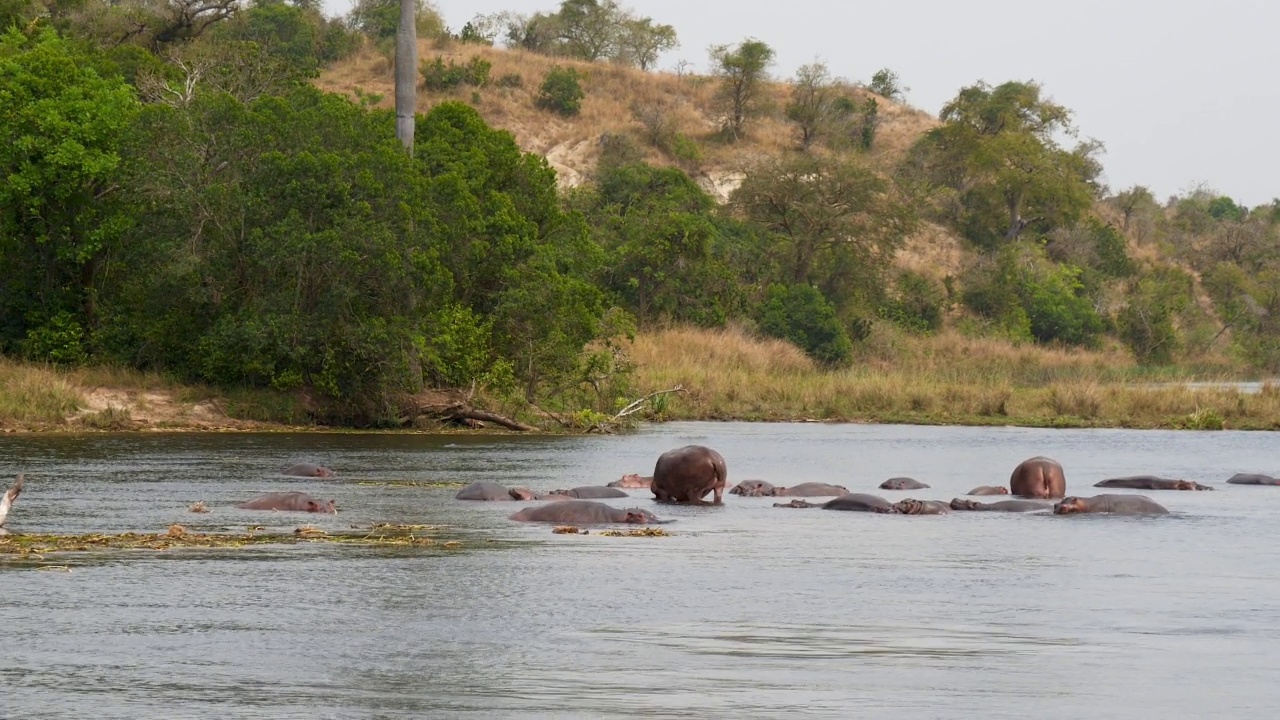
[746, 612]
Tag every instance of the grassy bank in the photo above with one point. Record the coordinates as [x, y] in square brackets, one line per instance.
[728, 374]
[949, 379]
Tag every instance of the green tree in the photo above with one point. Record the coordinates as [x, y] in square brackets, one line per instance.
[887, 85]
[641, 42]
[59, 206]
[561, 91]
[838, 223]
[743, 71]
[1146, 322]
[801, 315]
[996, 149]
[813, 104]
[380, 19]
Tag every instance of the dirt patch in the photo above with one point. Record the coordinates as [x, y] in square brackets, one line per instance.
[106, 408]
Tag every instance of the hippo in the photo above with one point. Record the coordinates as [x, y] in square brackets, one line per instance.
[856, 502]
[687, 474]
[307, 470]
[589, 492]
[524, 493]
[989, 490]
[1114, 504]
[6, 502]
[1001, 505]
[753, 488]
[812, 489]
[290, 502]
[1038, 477]
[1252, 479]
[637, 482]
[1150, 482]
[489, 491]
[911, 506]
[584, 512]
[902, 483]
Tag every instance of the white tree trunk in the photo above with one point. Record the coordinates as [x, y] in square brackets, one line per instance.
[406, 73]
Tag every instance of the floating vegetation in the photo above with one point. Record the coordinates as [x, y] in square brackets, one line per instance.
[177, 536]
[569, 530]
[198, 507]
[637, 532]
[414, 483]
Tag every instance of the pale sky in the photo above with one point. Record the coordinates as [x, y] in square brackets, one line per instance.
[1181, 92]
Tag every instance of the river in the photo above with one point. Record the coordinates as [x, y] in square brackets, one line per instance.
[746, 611]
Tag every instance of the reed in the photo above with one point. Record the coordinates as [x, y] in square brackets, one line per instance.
[947, 378]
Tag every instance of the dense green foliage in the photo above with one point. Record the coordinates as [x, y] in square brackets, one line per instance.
[182, 199]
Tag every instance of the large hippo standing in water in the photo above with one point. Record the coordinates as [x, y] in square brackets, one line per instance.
[584, 512]
[633, 481]
[1001, 505]
[687, 474]
[1150, 482]
[1113, 504]
[290, 502]
[902, 483]
[1252, 479]
[1038, 477]
[307, 470]
[854, 502]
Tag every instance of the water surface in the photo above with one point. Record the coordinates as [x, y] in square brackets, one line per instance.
[748, 611]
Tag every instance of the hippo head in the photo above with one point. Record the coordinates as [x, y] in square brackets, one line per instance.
[327, 506]
[522, 493]
[1068, 505]
[1185, 485]
[753, 488]
[963, 504]
[640, 516]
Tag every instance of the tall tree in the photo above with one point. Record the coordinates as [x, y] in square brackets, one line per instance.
[406, 73]
[743, 71]
[997, 149]
[813, 102]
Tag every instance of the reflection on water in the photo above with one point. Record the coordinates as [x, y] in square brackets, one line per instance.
[747, 611]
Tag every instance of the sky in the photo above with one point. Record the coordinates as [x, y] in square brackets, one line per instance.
[1180, 92]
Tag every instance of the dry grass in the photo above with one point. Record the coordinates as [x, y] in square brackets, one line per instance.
[947, 378]
[35, 394]
[572, 145]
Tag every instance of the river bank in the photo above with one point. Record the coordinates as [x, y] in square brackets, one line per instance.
[726, 374]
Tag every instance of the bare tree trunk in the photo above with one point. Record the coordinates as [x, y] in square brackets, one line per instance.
[406, 73]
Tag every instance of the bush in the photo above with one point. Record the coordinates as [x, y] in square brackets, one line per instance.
[561, 91]
[1021, 288]
[438, 76]
[511, 80]
[801, 314]
[917, 303]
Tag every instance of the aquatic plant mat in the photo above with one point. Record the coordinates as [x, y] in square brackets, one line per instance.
[634, 532]
[36, 547]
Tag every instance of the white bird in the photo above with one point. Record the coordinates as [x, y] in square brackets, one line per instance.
[6, 502]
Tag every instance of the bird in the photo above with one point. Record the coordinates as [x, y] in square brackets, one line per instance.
[6, 502]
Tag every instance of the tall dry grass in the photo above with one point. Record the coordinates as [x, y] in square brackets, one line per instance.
[34, 394]
[947, 378]
[572, 144]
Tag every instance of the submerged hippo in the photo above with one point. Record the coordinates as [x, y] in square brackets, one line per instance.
[687, 474]
[1252, 479]
[902, 483]
[484, 490]
[290, 502]
[587, 492]
[584, 512]
[855, 502]
[307, 470]
[1150, 482]
[1001, 505]
[637, 482]
[1038, 477]
[812, 489]
[6, 502]
[911, 506]
[1113, 504]
[989, 490]
[753, 488]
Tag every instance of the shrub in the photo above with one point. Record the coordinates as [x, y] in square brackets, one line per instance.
[510, 80]
[561, 91]
[800, 314]
[917, 303]
[438, 76]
